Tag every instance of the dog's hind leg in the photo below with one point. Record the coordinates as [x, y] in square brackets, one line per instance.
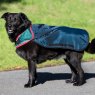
[81, 79]
[74, 73]
[74, 59]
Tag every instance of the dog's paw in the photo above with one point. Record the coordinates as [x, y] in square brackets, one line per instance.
[79, 83]
[70, 81]
[28, 85]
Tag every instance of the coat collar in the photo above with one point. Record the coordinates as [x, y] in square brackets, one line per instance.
[25, 37]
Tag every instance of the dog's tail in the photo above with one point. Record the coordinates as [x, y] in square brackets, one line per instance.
[91, 47]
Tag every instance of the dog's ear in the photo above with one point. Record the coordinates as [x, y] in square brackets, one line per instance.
[23, 16]
[5, 15]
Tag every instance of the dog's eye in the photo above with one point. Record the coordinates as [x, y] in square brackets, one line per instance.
[15, 19]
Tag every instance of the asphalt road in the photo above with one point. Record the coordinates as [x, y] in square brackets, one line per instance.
[51, 81]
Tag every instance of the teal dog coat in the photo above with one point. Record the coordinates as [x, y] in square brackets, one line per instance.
[54, 37]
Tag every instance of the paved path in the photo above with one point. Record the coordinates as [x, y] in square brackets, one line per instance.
[51, 82]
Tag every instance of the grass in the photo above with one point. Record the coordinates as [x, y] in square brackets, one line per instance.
[78, 13]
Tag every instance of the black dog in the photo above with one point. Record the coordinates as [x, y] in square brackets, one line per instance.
[16, 23]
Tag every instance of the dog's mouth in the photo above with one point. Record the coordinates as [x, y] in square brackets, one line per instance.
[11, 35]
[10, 31]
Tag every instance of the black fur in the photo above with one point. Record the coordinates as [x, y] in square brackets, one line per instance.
[16, 23]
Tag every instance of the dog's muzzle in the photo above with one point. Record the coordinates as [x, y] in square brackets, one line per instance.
[11, 35]
[10, 31]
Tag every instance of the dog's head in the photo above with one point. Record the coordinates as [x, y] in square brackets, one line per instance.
[15, 24]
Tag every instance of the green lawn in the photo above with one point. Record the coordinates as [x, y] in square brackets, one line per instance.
[73, 13]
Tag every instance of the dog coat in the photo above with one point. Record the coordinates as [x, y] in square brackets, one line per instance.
[54, 37]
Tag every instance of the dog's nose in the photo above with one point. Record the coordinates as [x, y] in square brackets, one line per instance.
[9, 25]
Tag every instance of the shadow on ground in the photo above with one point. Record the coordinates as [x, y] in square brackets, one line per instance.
[45, 76]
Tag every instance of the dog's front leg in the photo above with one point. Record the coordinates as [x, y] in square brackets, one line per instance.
[32, 73]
